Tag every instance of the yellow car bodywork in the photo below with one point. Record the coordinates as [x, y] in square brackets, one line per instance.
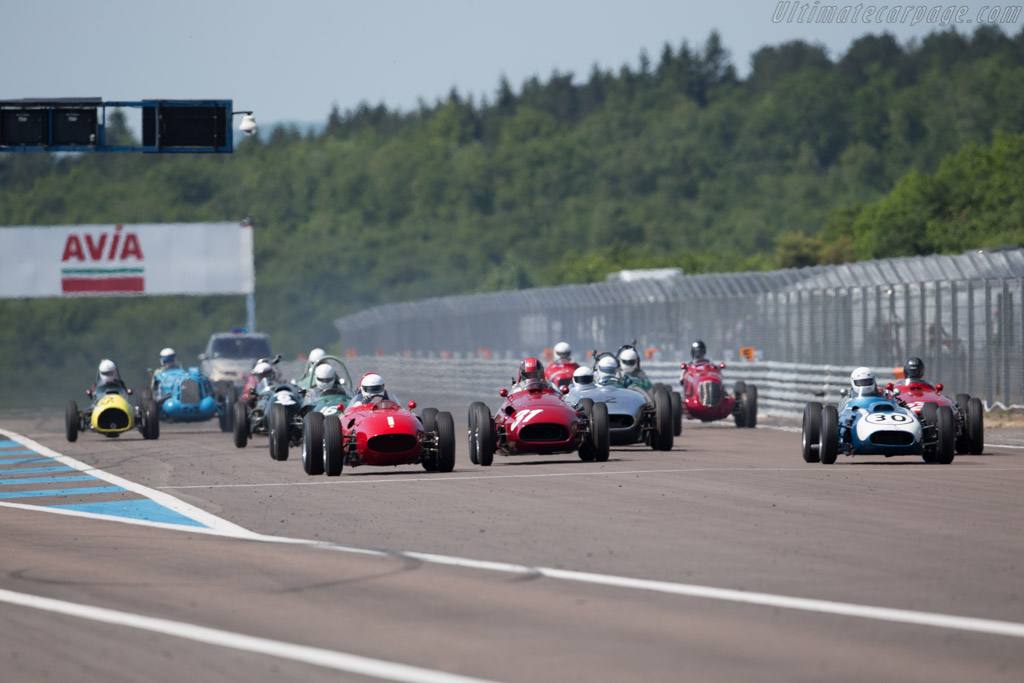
[112, 414]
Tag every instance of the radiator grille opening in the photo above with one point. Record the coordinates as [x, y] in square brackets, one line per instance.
[543, 432]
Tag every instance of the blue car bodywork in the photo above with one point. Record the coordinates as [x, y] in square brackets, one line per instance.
[188, 396]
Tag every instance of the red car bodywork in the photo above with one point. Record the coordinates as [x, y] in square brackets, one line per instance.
[704, 395]
[381, 433]
[536, 419]
[916, 393]
[560, 372]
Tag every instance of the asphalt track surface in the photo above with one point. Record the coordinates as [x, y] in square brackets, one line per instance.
[726, 559]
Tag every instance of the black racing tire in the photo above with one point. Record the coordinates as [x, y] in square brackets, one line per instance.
[811, 432]
[586, 404]
[677, 413]
[71, 420]
[929, 419]
[661, 438]
[828, 444]
[600, 438]
[334, 448]
[471, 432]
[946, 429]
[963, 439]
[445, 442]
[227, 414]
[313, 443]
[586, 449]
[151, 420]
[277, 423]
[240, 424]
[739, 395]
[750, 406]
[484, 434]
[429, 419]
[976, 425]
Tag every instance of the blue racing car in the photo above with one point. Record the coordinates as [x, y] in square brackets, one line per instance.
[870, 422]
[188, 396]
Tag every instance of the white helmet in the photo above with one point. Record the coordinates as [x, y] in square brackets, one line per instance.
[563, 350]
[325, 376]
[629, 359]
[263, 370]
[371, 385]
[583, 376]
[108, 371]
[607, 368]
[167, 356]
[863, 382]
[316, 354]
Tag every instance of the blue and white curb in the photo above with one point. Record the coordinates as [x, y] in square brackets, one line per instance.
[29, 470]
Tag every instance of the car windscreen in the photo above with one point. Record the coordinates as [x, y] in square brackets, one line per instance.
[241, 347]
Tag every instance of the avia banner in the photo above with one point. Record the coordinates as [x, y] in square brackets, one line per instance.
[142, 259]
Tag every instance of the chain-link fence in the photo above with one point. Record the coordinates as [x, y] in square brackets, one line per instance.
[964, 315]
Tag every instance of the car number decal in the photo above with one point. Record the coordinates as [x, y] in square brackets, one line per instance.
[526, 416]
[391, 421]
[887, 418]
[329, 410]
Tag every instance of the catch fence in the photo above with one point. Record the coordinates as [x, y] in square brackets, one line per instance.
[963, 315]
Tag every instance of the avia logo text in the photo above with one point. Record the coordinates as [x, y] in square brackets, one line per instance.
[104, 246]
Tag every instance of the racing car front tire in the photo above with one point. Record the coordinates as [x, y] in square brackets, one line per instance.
[586, 449]
[240, 418]
[334, 453]
[976, 425]
[278, 423]
[313, 443]
[471, 432]
[600, 438]
[71, 421]
[929, 418]
[739, 393]
[484, 435]
[945, 430]
[227, 412]
[828, 444]
[677, 413]
[750, 406]
[445, 459]
[150, 418]
[811, 432]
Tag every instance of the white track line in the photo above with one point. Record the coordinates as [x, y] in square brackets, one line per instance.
[988, 626]
[330, 659]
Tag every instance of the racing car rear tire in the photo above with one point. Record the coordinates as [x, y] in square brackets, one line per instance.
[600, 438]
[313, 443]
[929, 419]
[227, 413]
[445, 461]
[811, 432]
[963, 439]
[945, 429]
[750, 406]
[677, 413]
[661, 439]
[71, 421]
[150, 417]
[484, 434]
[240, 426]
[738, 395]
[976, 425]
[278, 423]
[334, 448]
[429, 419]
[586, 449]
[828, 444]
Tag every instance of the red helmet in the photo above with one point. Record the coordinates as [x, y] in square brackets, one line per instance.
[531, 368]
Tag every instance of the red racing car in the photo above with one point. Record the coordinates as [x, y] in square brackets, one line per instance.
[924, 399]
[534, 418]
[705, 397]
[379, 433]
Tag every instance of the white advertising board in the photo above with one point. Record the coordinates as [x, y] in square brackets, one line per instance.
[126, 260]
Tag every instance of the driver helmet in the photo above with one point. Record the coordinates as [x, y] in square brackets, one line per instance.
[371, 385]
[531, 368]
[325, 376]
[863, 382]
[607, 368]
[583, 376]
[563, 351]
[913, 368]
[316, 354]
[108, 371]
[168, 357]
[629, 359]
[263, 371]
[698, 351]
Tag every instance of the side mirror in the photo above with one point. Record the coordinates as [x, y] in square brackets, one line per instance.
[88, 392]
[503, 393]
[341, 407]
[129, 391]
[564, 390]
[683, 366]
[721, 366]
[889, 386]
[342, 382]
[412, 405]
[896, 391]
[277, 359]
[938, 387]
[845, 392]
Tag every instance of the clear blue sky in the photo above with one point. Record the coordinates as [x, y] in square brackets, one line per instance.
[291, 61]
